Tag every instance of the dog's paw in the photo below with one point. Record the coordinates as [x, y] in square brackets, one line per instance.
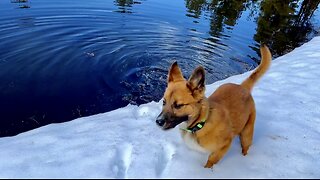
[208, 165]
[244, 152]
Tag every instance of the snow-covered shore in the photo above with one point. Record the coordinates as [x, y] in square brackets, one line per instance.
[126, 143]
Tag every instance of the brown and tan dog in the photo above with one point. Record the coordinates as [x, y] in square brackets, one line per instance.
[210, 124]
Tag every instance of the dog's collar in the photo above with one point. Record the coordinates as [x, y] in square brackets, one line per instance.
[198, 126]
[195, 128]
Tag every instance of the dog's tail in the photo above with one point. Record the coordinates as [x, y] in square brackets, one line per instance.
[262, 68]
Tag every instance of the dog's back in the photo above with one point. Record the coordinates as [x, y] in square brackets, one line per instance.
[237, 99]
[237, 103]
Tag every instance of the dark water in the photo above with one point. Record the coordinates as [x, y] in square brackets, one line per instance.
[64, 59]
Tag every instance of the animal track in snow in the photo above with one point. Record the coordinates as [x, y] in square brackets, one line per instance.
[122, 160]
[164, 158]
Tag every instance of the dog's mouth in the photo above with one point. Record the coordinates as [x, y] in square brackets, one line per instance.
[173, 122]
[168, 126]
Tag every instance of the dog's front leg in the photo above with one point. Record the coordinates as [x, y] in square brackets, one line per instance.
[211, 160]
[214, 157]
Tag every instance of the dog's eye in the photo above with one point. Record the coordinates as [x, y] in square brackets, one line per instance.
[164, 102]
[177, 106]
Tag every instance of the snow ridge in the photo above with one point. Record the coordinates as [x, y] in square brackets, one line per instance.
[126, 143]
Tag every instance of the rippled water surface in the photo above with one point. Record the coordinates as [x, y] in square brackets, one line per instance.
[64, 59]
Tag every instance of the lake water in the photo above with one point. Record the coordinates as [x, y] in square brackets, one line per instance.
[64, 59]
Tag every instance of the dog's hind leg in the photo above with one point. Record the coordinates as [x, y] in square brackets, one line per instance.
[214, 157]
[246, 134]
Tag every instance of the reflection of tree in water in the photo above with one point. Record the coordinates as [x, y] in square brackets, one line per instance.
[24, 21]
[281, 27]
[195, 7]
[125, 6]
[124, 2]
[224, 12]
[307, 9]
[22, 3]
[282, 24]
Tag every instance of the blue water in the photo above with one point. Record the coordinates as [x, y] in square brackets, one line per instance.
[64, 59]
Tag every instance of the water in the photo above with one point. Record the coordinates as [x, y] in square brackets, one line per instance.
[64, 59]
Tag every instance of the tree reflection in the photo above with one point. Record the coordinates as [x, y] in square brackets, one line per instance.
[282, 24]
[124, 2]
[307, 9]
[23, 4]
[195, 7]
[224, 12]
[281, 27]
[125, 6]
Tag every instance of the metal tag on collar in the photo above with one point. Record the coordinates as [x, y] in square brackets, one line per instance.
[199, 126]
[196, 127]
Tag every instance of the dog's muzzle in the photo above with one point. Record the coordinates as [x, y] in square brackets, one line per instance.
[168, 121]
[160, 120]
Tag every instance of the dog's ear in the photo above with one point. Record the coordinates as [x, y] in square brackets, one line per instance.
[196, 81]
[175, 73]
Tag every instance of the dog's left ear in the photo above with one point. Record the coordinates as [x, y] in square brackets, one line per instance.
[196, 80]
[175, 73]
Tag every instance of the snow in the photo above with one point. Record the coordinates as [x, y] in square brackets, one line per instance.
[126, 143]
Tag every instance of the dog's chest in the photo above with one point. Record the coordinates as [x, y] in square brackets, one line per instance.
[190, 140]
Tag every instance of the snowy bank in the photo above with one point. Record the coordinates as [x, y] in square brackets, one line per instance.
[126, 143]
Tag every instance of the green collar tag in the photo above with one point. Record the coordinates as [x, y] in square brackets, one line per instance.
[197, 127]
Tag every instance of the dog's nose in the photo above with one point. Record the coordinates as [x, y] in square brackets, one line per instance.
[160, 119]
[160, 122]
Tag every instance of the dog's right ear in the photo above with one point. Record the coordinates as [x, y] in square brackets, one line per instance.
[175, 73]
[196, 81]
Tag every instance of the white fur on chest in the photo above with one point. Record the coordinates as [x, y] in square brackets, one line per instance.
[190, 140]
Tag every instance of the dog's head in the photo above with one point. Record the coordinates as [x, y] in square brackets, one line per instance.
[182, 98]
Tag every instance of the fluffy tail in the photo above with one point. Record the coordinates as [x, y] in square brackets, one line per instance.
[262, 68]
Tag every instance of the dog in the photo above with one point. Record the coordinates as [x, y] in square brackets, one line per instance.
[210, 124]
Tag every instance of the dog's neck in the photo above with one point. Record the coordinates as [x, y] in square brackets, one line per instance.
[203, 114]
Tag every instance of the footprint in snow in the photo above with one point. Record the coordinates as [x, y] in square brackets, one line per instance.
[164, 157]
[122, 160]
